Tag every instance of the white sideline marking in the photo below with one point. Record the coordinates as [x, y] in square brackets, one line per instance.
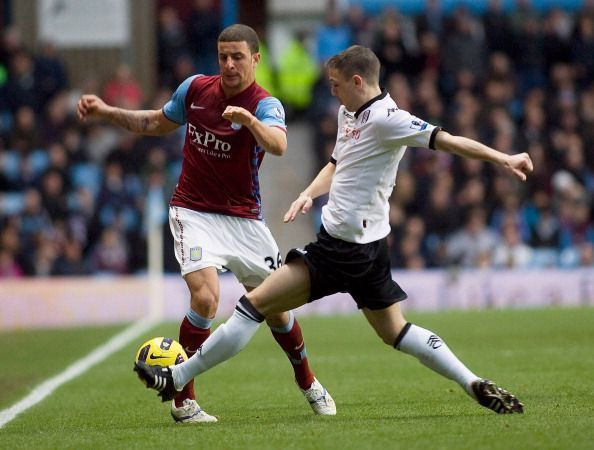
[76, 369]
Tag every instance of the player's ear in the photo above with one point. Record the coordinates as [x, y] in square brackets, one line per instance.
[358, 80]
[256, 58]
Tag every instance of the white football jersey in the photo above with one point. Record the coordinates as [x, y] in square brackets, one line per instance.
[369, 147]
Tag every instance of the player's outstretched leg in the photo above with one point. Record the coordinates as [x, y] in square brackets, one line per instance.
[433, 352]
[157, 378]
[489, 395]
[320, 399]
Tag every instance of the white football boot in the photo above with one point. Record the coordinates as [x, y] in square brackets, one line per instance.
[320, 399]
[190, 412]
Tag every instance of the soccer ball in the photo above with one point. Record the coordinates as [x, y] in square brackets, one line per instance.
[161, 351]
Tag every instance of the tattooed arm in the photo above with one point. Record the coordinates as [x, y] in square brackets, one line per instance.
[149, 122]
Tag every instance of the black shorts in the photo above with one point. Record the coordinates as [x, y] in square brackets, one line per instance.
[362, 270]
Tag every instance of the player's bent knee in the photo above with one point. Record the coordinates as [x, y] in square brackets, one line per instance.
[277, 320]
[204, 303]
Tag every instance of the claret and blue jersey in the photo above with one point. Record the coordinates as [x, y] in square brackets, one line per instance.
[221, 159]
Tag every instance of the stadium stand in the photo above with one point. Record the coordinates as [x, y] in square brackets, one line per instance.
[519, 79]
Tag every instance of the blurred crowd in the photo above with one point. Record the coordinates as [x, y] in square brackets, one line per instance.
[73, 197]
[516, 80]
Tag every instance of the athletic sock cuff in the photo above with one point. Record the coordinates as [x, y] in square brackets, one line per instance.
[246, 309]
[401, 335]
[197, 320]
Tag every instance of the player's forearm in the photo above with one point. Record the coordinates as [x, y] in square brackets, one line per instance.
[468, 148]
[141, 122]
[272, 139]
[321, 183]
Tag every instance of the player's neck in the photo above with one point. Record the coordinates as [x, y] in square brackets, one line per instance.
[232, 91]
[365, 95]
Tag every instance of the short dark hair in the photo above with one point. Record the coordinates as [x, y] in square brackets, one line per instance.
[240, 33]
[357, 60]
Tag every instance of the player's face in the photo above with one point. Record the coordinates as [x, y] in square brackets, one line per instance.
[342, 88]
[237, 65]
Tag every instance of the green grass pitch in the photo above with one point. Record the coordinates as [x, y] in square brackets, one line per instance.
[386, 400]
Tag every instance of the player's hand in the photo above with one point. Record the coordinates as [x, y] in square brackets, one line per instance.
[90, 105]
[303, 204]
[237, 114]
[520, 165]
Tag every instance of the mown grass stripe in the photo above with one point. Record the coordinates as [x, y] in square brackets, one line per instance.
[76, 369]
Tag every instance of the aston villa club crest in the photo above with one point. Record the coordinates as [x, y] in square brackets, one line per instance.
[195, 253]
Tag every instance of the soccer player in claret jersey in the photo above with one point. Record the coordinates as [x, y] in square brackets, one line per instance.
[350, 253]
[215, 213]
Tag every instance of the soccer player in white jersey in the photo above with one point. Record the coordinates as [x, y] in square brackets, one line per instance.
[350, 253]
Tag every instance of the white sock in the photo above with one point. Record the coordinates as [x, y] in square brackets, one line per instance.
[226, 341]
[432, 352]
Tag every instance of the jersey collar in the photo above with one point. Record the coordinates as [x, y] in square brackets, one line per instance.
[369, 102]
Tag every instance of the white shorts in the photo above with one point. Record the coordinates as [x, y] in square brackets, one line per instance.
[243, 246]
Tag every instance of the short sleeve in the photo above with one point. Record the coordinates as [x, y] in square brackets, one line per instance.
[399, 127]
[270, 111]
[175, 108]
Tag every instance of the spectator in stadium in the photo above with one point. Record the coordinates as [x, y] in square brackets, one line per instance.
[464, 49]
[231, 123]
[71, 261]
[53, 194]
[410, 253]
[431, 19]
[558, 28]
[183, 67]
[171, 42]
[50, 72]
[542, 221]
[298, 72]
[430, 59]
[46, 252]
[392, 49]
[34, 218]
[582, 49]
[440, 213]
[22, 87]
[266, 72]
[56, 119]
[9, 268]
[111, 253]
[333, 35]
[527, 45]
[511, 252]
[123, 90]
[576, 227]
[350, 253]
[473, 245]
[24, 135]
[116, 201]
[10, 245]
[360, 24]
[497, 32]
[202, 31]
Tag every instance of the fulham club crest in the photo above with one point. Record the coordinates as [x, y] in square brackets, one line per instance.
[365, 116]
